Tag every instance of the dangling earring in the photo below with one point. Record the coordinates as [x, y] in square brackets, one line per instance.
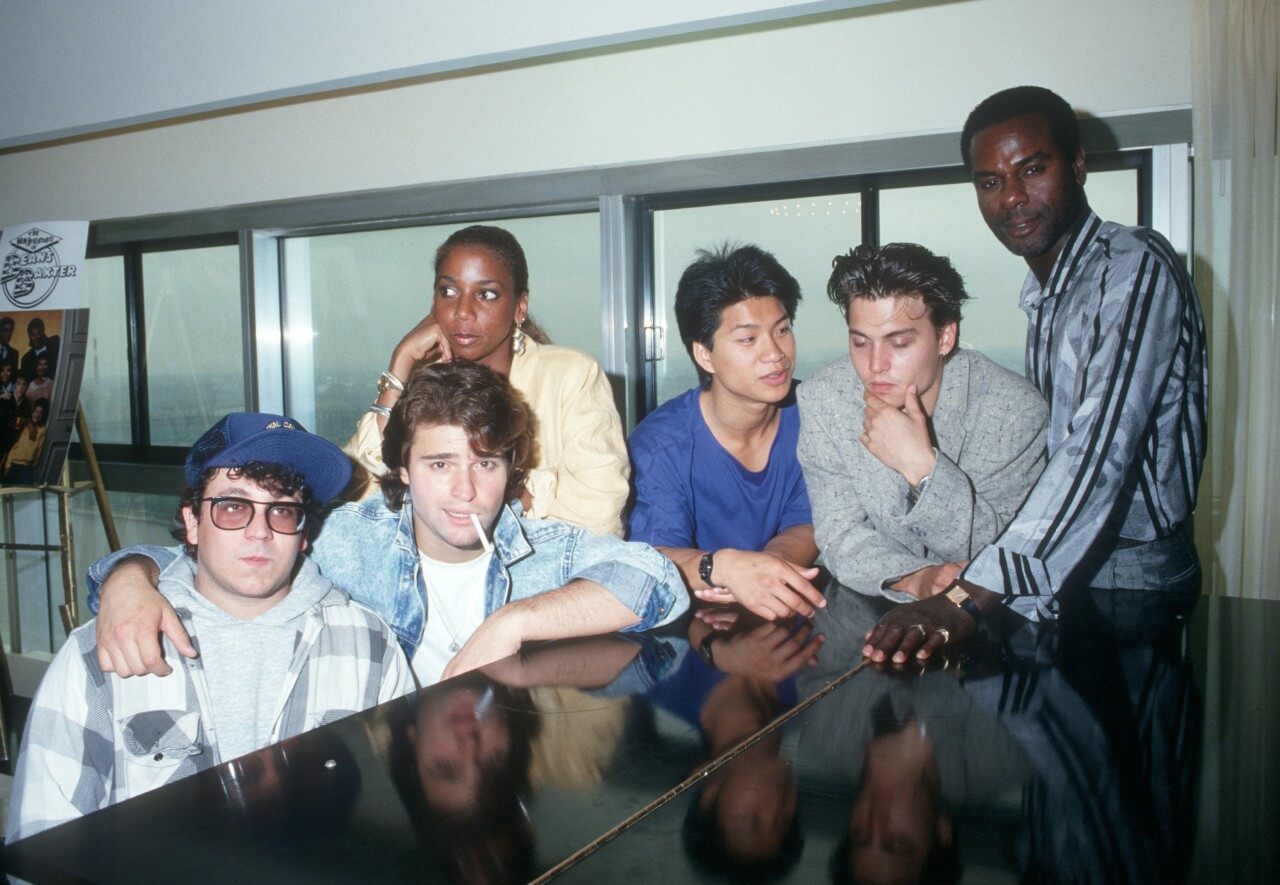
[517, 339]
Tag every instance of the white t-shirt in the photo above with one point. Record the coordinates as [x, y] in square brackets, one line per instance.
[455, 608]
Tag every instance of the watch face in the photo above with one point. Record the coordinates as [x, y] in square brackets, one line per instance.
[704, 568]
[957, 594]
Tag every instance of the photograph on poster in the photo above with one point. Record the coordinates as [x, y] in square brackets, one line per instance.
[41, 358]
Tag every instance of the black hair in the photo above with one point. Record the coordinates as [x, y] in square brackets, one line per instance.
[898, 269]
[274, 478]
[1020, 101]
[500, 241]
[6, 322]
[36, 323]
[705, 846]
[721, 278]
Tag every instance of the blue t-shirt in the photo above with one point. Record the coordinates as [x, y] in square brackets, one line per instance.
[690, 492]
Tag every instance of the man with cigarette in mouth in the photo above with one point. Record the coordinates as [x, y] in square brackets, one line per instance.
[462, 579]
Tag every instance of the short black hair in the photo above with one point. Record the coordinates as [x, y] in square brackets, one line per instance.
[6, 322]
[1020, 101]
[898, 269]
[36, 323]
[706, 848]
[720, 278]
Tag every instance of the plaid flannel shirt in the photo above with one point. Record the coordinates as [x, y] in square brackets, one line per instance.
[93, 739]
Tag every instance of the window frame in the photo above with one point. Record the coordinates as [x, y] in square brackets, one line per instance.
[653, 339]
[139, 450]
[624, 197]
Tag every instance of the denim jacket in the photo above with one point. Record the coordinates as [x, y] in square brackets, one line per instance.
[368, 550]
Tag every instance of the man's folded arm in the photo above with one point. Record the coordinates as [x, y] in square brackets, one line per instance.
[644, 581]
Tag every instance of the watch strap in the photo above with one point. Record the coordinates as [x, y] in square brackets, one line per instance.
[704, 649]
[705, 564]
[962, 600]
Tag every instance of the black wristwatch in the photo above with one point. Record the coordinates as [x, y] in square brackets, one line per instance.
[704, 649]
[960, 596]
[704, 569]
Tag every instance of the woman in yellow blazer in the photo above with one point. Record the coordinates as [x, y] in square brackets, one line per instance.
[480, 312]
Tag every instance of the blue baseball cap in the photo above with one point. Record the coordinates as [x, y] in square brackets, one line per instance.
[242, 437]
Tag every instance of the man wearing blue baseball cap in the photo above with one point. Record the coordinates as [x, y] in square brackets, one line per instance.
[281, 649]
[443, 554]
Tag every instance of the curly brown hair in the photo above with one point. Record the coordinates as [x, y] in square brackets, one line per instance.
[497, 420]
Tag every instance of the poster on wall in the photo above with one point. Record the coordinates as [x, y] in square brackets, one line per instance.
[43, 336]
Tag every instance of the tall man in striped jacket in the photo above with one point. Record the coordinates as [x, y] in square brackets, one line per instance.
[1116, 347]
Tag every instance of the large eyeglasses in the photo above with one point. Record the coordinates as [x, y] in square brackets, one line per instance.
[233, 514]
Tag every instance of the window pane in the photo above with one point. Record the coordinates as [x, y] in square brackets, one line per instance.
[351, 297]
[944, 219]
[804, 234]
[195, 349]
[104, 390]
[139, 518]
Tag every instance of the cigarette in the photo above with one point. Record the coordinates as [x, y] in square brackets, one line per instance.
[484, 539]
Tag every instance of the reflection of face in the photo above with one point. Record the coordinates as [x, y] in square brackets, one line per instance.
[895, 820]
[755, 798]
[20, 386]
[456, 746]
[448, 481]
[245, 566]
[477, 306]
[1029, 193]
[753, 351]
[37, 415]
[6, 332]
[42, 367]
[6, 373]
[35, 335]
[894, 344]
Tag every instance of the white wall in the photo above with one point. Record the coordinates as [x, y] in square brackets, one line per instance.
[83, 65]
[883, 71]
